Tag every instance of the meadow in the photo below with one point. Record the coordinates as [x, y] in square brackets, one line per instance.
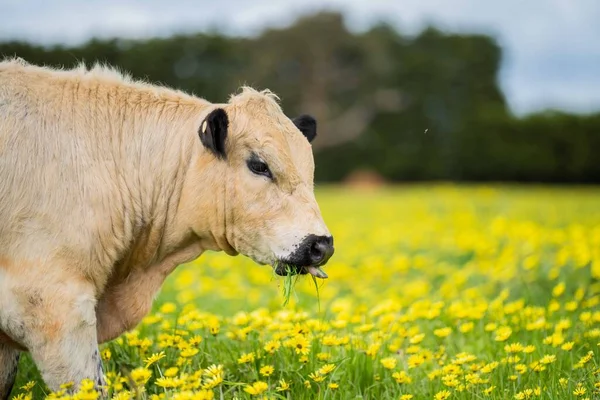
[434, 292]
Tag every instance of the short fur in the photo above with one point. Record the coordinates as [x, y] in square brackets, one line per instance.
[105, 187]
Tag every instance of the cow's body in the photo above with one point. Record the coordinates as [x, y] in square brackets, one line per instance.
[69, 140]
[98, 178]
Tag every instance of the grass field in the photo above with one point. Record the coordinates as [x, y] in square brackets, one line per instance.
[434, 292]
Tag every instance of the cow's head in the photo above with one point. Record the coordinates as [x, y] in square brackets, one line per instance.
[259, 166]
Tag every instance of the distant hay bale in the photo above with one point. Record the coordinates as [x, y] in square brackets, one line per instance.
[364, 179]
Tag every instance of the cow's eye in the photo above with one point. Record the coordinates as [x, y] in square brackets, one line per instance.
[259, 167]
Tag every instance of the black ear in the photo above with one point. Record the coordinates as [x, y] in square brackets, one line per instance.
[213, 132]
[307, 125]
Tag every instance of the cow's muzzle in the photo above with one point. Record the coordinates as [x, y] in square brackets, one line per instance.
[312, 253]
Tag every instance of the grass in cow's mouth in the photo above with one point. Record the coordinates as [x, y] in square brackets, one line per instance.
[289, 280]
[317, 289]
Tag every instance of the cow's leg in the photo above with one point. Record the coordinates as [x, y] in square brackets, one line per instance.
[70, 357]
[9, 360]
[59, 330]
[123, 305]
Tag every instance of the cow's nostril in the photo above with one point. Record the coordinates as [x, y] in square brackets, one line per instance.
[321, 250]
[316, 253]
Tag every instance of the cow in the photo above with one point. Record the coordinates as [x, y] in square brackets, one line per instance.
[107, 184]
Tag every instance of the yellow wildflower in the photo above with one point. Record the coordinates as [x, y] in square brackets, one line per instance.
[389, 362]
[257, 388]
[267, 370]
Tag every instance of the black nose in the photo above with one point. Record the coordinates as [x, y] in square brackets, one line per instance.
[321, 250]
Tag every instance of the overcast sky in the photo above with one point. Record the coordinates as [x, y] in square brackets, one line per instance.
[551, 47]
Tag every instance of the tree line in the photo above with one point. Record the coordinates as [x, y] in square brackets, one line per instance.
[423, 107]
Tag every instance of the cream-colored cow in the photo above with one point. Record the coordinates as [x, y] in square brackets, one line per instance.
[107, 184]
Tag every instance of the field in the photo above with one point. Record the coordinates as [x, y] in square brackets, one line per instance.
[434, 292]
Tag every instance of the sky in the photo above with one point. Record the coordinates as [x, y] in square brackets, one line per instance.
[551, 47]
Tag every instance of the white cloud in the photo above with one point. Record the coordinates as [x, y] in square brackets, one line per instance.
[552, 51]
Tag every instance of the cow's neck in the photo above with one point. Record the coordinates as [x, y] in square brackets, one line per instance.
[154, 154]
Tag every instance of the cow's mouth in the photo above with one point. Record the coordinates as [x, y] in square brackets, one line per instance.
[284, 269]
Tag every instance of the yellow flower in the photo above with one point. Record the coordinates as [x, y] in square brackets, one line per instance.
[450, 380]
[246, 358]
[513, 348]
[406, 397]
[154, 358]
[521, 368]
[373, 349]
[189, 352]
[365, 328]
[28, 386]
[283, 386]
[442, 395]
[466, 327]
[167, 383]
[326, 369]
[140, 376]
[563, 382]
[417, 338]
[203, 395]
[579, 391]
[196, 340]
[558, 289]
[125, 395]
[571, 306]
[317, 377]
[86, 385]
[333, 386]
[23, 396]
[267, 370]
[537, 366]
[527, 393]
[503, 333]
[490, 367]
[212, 382]
[272, 346]
[106, 354]
[513, 359]
[548, 359]
[567, 346]
[529, 349]
[213, 370]
[489, 390]
[256, 388]
[329, 340]
[442, 332]
[584, 360]
[168, 308]
[300, 344]
[214, 330]
[415, 360]
[171, 372]
[389, 362]
[401, 377]
[323, 356]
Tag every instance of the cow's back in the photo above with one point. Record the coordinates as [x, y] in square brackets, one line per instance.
[38, 175]
[78, 158]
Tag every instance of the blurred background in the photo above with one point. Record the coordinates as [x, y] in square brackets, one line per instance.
[464, 90]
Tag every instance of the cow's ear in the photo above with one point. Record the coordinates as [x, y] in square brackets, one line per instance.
[307, 125]
[213, 132]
